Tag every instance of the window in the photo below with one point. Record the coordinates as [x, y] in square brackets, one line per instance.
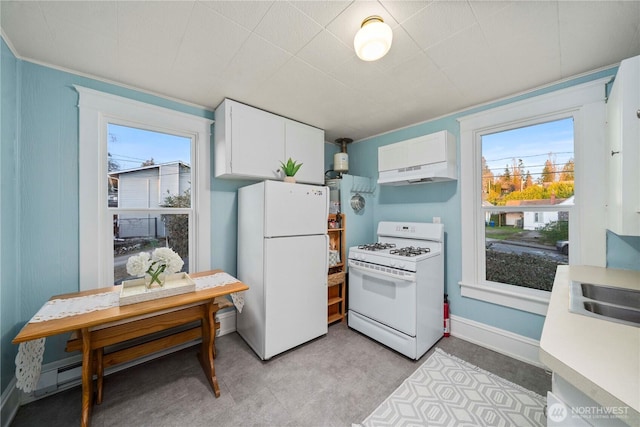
[144, 182]
[496, 173]
[149, 185]
[526, 169]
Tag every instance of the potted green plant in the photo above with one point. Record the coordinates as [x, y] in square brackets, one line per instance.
[290, 169]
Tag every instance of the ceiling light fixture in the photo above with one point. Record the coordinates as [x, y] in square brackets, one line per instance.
[373, 39]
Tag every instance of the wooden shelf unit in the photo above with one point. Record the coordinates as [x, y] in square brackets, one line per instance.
[337, 273]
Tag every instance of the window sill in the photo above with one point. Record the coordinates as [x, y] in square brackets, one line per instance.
[529, 300]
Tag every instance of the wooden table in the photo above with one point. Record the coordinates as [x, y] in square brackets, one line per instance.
[101, 328]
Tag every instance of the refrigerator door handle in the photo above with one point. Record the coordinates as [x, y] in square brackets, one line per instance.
[326, 205]
[326, 261]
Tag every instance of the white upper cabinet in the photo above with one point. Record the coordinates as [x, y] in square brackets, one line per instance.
[623, 134]
[305, 144]
[427, 158]
[251, 143]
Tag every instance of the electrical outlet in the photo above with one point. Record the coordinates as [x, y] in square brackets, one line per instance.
[436, 220]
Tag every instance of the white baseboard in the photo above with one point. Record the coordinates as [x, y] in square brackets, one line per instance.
[12, 397]
[10, 403]
[513, 345]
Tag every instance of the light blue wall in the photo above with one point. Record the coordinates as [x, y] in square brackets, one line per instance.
[329, 151]
[423, 202]
[9, 220]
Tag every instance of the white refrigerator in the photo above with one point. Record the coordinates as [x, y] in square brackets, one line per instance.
[283, 257]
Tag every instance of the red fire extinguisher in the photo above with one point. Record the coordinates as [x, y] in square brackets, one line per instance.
[447, 327]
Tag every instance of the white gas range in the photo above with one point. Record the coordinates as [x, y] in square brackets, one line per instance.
[396, 286]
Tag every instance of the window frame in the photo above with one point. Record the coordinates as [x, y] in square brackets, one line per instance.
[98, 109]
[586, 104]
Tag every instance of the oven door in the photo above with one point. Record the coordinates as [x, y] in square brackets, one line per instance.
[383, 297]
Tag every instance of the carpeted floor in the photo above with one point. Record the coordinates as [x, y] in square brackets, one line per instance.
[335, 380]
[447, 391]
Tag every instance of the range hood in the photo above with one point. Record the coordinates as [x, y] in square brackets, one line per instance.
[427, 158]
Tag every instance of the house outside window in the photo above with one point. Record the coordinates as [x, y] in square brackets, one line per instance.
[486, 208]
[120, 203]
[149, 186]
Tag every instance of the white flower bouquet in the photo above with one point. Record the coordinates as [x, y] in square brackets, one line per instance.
[154, 267]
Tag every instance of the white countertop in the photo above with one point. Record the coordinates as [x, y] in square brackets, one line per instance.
[599, 357]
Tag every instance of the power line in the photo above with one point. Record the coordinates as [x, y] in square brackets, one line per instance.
[122, 156]
[531, 155]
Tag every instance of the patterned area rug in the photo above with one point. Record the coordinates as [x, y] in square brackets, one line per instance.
[447, 391]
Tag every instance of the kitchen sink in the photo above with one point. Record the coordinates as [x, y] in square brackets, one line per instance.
[619, 296]
[605, 302]
[620, 313]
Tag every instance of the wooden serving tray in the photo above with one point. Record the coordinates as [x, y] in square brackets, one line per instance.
[134, 291]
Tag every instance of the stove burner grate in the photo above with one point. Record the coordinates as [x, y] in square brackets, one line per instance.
[410, 251]
[376, 246]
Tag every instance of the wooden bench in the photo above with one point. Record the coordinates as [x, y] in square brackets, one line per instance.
[128, 333]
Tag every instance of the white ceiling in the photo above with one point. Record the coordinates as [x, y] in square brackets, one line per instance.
[296, 58]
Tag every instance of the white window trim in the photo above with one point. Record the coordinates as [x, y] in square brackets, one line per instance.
[96, 110]
[586, 103]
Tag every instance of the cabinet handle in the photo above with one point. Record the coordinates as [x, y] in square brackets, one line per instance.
[638, 113]
[613, 153]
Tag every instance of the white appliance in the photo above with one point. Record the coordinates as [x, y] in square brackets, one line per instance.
[283, 256]
[396, 287]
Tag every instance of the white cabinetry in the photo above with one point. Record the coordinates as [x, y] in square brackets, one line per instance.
[251, 143]
[623, 134]
[559, 414]
[305, 144]
[567, 406]
[427, 158]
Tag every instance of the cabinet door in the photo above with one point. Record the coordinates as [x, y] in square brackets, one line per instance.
[305, 144]
[428, 149]
[559, 414]
[257, 142]
[392, 156]
[623, 132]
